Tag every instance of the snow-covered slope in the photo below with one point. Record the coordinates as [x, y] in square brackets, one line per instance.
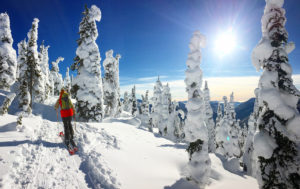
[113, 154]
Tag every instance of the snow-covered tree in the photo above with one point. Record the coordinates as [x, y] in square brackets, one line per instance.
[234, 130]
[56, 76]
[133, 102]
[222, 130]
[209, 119]
[166, 109]
[195, 129]
[87, 85]
[111, 85]
[117, 80]
[126, 102]
[174, 126]
[145, 111]
[156, 110]
[8, 100]
[8, 56]
[44, 62]
[276, 143]
[248, 156]
[36, 82]
[23, 78]
[67, 81]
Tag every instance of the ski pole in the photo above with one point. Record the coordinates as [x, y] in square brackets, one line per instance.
[57, 121]
[75, 123]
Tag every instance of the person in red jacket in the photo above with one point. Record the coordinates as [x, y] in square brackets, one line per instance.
[67, 110]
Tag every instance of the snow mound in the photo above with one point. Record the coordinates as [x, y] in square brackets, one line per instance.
[278, 3]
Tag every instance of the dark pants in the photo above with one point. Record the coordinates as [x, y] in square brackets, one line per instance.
[69, 132]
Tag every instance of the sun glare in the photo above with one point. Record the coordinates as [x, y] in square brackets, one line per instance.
[225, 43]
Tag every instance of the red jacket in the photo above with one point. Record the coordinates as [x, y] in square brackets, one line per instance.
[65, 112]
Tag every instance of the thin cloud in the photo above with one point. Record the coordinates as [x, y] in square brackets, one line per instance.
[243, 87]
[154, 78]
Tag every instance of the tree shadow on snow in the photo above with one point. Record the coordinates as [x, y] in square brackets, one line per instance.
[37, 142]
[182, 183]
[9, 127]
[177, 146]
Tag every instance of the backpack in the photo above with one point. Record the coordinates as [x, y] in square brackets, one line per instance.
[65, 102]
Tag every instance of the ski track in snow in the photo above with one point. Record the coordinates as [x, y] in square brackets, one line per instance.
[43, 161]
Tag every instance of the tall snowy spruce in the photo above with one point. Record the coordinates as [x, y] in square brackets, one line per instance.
[234, 130]
[23, 78]
[67, 81]
[276, 143]
[56, 76]
[126, 102]
[87, 85]
[8, 56]
[248, 157]
[133, 102]
[222, 130]
[218, 143]
[44, 62]
[195, 129]
[156, 110]
[166, 109]
[36, 82]
[145, 117]
[111, 85]
[174, 126]
[210, 124]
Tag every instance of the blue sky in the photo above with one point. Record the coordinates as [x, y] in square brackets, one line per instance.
[153, 36]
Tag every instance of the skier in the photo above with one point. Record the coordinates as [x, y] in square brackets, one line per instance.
[66, 112]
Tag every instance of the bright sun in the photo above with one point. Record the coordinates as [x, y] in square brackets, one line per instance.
[225, 43]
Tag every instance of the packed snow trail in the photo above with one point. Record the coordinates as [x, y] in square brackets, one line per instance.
[113, 154]
[42, 161]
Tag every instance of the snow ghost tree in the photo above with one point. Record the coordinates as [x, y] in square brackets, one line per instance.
[133, 102]
[145, 111]
[222, 130]
[235, 149]
[67, 81]
[218, 125]
[195, 129]
[276, 143]
[174, 126]
[248, 159]
[166, 105]
[209, 119]
[117, 80]
[23, 78]
[44, 62]
[8, 57]
[36, 82]
[156, 110]
[87, 85]
[126, 102]
[56, 76]
[111, 85]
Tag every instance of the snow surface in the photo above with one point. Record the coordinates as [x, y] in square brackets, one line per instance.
[113, 154]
